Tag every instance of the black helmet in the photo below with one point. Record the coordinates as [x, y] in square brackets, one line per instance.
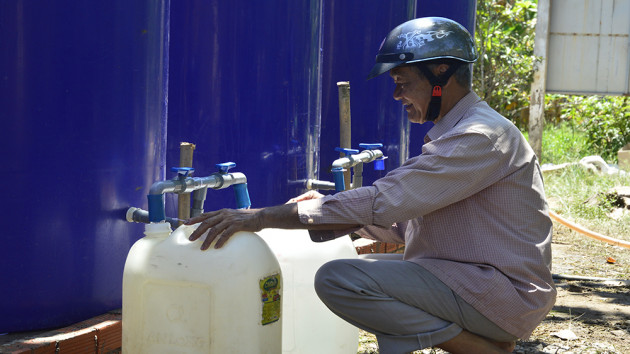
[423, 39]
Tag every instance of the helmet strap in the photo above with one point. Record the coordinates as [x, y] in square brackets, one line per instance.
[438, 83]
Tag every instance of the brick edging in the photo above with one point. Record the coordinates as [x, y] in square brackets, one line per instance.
[101, 334]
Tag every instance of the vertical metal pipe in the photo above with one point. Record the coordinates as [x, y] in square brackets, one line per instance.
[345, 126]
[183, 200]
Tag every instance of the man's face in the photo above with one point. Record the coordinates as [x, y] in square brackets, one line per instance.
[414, 92]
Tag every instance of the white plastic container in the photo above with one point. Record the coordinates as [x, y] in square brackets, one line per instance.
[308, 325]
[179, 299]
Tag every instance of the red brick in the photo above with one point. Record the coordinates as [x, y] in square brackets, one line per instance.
[83, 341]
[109, 336]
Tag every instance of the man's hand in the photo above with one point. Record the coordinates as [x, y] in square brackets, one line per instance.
[306, 196]
[222, 224]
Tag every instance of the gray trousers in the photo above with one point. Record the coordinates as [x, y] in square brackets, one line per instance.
[403, 304]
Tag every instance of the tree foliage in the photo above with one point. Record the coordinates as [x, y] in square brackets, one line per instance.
[504, 35]
[605, 119]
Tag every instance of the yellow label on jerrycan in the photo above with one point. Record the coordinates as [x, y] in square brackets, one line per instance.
[179, 299]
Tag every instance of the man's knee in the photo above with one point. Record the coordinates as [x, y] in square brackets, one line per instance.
[326, 278]
[338, 279]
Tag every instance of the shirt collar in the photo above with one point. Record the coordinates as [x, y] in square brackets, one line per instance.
[453, 116]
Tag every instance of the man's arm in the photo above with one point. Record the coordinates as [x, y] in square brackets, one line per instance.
[222, 224]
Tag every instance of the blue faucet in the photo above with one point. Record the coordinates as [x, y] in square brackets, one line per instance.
[183, 183]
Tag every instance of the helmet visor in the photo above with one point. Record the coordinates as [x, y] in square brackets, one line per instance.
[380, 68]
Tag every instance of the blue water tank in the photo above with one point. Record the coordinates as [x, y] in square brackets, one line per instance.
[83, 92]
[353, 33]
[82, 102]
[244, 86]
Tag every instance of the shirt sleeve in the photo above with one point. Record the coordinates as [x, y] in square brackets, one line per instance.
[394, 234]
[450, 169]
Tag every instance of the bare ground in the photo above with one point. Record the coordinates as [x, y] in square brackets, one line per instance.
[590, 315]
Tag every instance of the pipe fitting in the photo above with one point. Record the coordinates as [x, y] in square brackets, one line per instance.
[311, 184]
[142, 216]
[182, 184]
[364, 156]
[199, 198]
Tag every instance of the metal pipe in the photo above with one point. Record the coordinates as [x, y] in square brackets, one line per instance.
[199, 198]
[353, 160]
[345, 123]
[317, 184]
[185, 160]
[189, 184]
[341, 165]
[142, 216]
[357, 177]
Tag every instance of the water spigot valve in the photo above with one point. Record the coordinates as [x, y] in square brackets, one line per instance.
[225, 167]
[379, 164]
[182, 172]
[367, 146]
[347, 151]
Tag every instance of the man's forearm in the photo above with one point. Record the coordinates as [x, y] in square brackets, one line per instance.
[286, 216]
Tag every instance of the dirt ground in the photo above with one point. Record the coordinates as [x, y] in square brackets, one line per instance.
[590, 315]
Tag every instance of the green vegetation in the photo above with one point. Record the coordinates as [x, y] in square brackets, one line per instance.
[502, 76]
[563, 143]
[605, 121]
[582, 196]
[575, 126]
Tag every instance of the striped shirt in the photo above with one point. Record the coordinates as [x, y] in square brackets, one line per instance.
[470, 209]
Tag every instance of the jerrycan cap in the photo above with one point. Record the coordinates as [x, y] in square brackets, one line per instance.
[161, 228]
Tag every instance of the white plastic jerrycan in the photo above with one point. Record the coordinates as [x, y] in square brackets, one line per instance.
[308, 325]
[179, 299]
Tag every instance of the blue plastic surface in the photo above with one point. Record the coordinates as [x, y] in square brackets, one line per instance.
[225, 167]
[338, 178]
[370, 146]
[242, 196]
[462, 11]
[379, 164]
[156, 207]
[243, 87]
[183, 170]
[353, 33]
[82, 102]
[347, 151]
